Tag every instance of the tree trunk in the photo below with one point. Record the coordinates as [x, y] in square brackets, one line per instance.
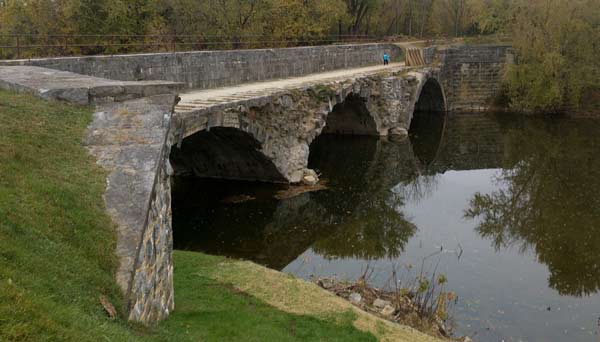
[410, 17]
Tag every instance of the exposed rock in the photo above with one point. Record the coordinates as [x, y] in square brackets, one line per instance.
[309, 180]
[310, 177]
[388, 310]
[398, 132]
[355, 298]
[399, 306]
[326, 283]
[296, 176]
[380, 303]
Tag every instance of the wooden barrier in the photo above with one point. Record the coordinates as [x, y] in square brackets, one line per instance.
[414, 57]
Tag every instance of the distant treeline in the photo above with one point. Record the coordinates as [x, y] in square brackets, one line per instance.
[247, 21]
[556, 41]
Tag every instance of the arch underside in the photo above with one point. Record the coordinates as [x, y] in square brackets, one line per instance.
[226, 153]
[350, 117]
[431, 98]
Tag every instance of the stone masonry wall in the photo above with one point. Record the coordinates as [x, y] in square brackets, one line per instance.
[472, 75]
[130, 140]
[210, 69]
[151, 294]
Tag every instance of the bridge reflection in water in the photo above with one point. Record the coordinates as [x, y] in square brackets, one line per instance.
[519, 196]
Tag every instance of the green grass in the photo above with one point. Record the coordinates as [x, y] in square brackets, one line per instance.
[214, 310]
[56, 242]
[57, 251]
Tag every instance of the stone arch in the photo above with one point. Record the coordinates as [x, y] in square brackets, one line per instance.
[430, 95]
[226, 153]
[351, 117]
[282, 124]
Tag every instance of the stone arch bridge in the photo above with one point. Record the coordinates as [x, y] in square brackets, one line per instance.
[281, 124]
[146, 128]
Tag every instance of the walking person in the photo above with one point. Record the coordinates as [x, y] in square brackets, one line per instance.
[386, 59]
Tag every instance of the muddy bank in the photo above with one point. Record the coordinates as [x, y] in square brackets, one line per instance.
[425, 309]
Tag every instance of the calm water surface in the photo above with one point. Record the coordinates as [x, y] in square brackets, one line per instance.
[508, 208]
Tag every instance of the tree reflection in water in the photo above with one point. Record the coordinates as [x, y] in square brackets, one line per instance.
[549, 201]
[360, 202]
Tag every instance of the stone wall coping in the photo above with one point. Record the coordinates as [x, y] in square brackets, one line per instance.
[13, 62]
[79, 89]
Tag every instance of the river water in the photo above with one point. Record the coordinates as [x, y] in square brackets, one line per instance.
[508, 208]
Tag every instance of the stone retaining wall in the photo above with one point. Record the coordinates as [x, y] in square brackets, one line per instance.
[130, 140]
[472, 75]
[210, 69]
[151, 294]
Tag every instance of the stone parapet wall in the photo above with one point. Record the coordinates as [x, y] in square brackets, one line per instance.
[472, 75]
[66, 86]
[210, 69]
[429, 54]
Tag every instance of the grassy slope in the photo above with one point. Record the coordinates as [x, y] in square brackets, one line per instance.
[56, 256]
[56, 243]
[306, 312]
[212, 309]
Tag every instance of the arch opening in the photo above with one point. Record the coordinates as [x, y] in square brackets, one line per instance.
[214, 171]
[350, 117]
[428, 123]
[223, 153]
[431, 99]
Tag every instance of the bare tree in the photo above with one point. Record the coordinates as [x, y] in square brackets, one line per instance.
[358, 9]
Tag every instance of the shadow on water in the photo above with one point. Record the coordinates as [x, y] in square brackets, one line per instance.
[426, 134]
[358, 208]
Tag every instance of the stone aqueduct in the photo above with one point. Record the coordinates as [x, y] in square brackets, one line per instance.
[142, 142]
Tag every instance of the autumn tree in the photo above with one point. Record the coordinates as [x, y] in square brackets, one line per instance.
[557, 44]
[357, 12]
[452, 17]
[299, 19]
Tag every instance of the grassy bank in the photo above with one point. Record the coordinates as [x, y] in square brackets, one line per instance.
[57, 257]
[56, 243]
[219, 299]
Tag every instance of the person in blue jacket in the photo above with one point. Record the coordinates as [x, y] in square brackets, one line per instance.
[386, 59]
